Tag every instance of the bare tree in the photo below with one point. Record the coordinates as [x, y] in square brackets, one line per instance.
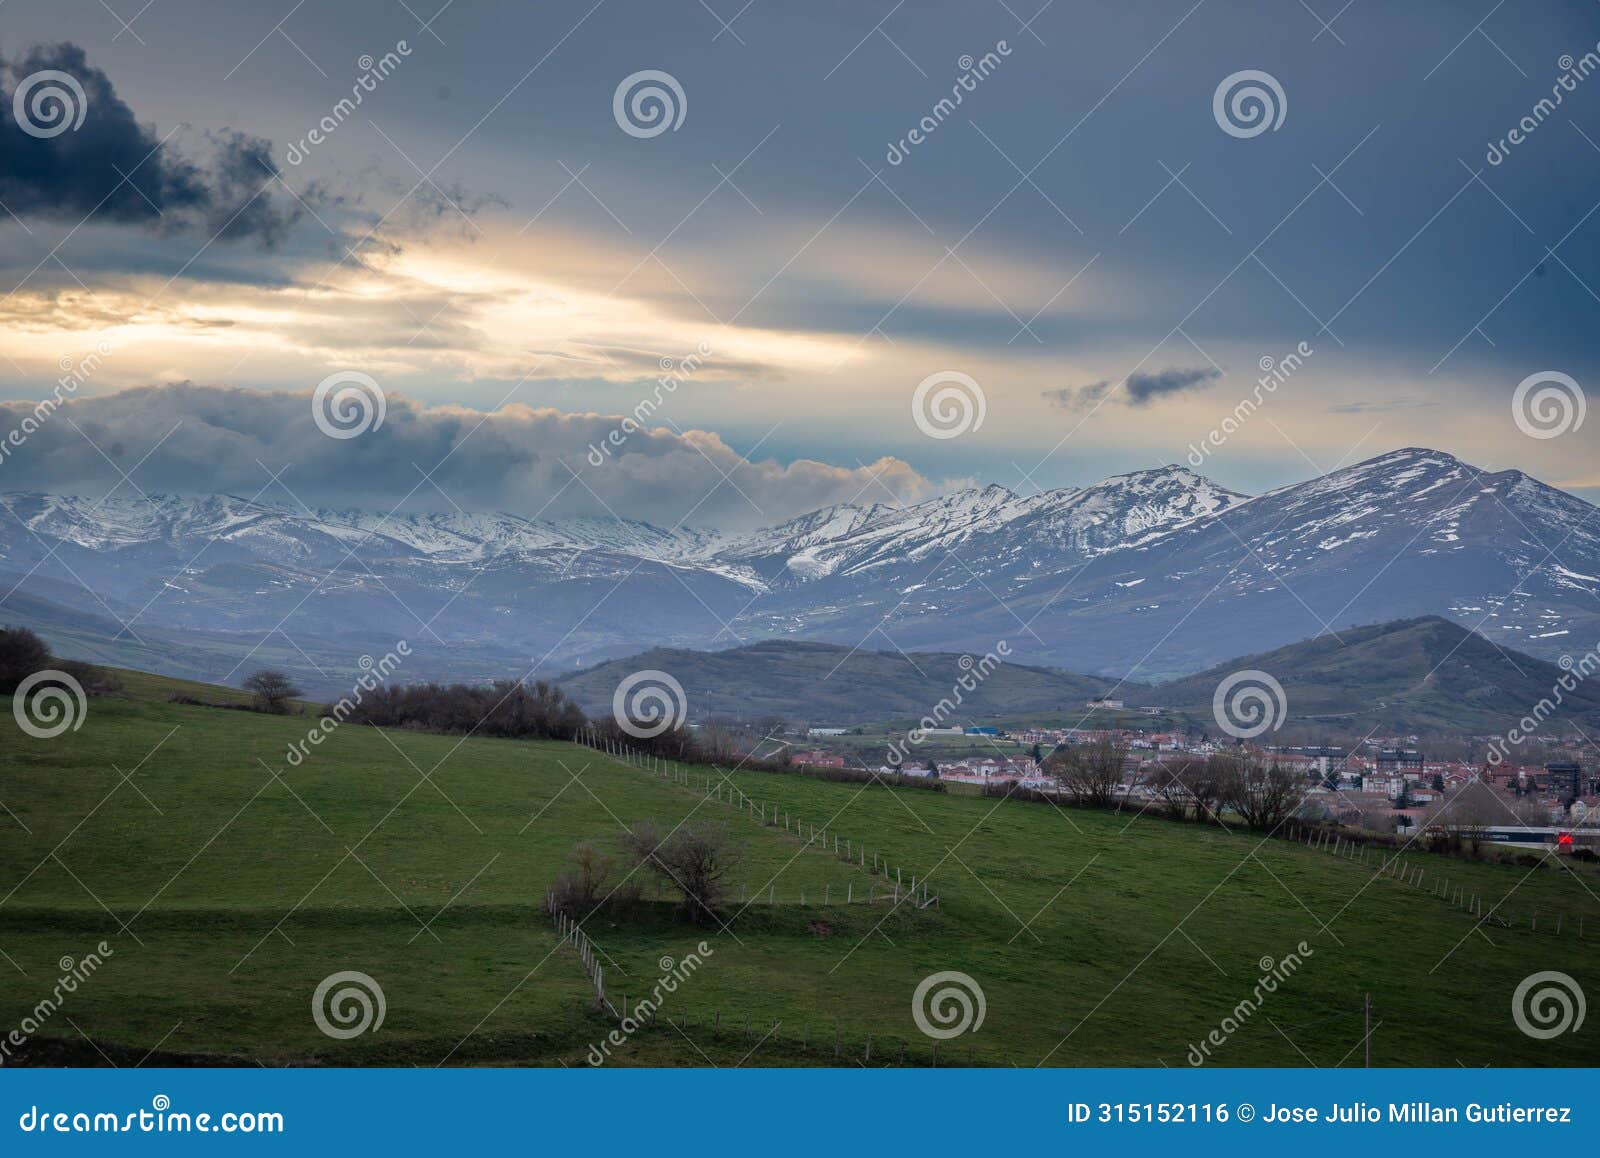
[1174, 785]
[1207, 784]
[1091, 773]
[718, 742]
[1263, 794]
[695, 859]
[581, 886]
[1463, 818]
[273, 690]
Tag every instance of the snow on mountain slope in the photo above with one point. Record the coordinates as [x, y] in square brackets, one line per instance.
[289, 534]
[1083, 521]
[1161, 568]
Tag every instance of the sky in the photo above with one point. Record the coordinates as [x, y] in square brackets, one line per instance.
[826, 279]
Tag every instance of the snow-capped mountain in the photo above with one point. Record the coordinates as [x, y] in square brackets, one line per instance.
[290, 535]
[1086, 521]
[1157, 572]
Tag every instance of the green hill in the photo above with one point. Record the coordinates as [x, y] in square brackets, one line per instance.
[1416, 675]
[825, 683]
[1428, 675]
[228, 883]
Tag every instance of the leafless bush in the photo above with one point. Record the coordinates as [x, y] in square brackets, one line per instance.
[1263, 794]
[272, 689]
[584, 886]
[1463, 819]
[508, 709]
[694, 858]
[1178, 785]
[1091, 774]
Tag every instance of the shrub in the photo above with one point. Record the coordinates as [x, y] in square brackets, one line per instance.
[273, 690]
[695, 859]
[507, 708]
[21, 654]
[584, 886]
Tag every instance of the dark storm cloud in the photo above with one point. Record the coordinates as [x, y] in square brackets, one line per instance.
[1138, 389]
[1144, 389]
[114, 168]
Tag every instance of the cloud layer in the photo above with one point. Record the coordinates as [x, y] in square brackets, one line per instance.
[530, 461]
[109, 165]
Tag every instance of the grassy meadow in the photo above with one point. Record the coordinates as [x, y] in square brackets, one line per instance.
[228, 884]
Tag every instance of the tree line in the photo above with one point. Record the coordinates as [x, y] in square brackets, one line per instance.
[1259, 793]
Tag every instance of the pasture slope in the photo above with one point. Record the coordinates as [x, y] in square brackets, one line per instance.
[228, 884]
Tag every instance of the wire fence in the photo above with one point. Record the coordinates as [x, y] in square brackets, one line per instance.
[1388, 864]
[572, 933]
[715, 787]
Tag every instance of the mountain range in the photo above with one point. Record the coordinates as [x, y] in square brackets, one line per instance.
[1153, 575]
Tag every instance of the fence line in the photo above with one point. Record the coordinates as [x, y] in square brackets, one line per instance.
[724, 791]
[571, 931]
[1388, 863]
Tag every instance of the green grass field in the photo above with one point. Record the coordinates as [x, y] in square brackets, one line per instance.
[228, 885]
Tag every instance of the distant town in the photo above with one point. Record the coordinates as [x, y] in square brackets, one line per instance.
[1389, 785]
